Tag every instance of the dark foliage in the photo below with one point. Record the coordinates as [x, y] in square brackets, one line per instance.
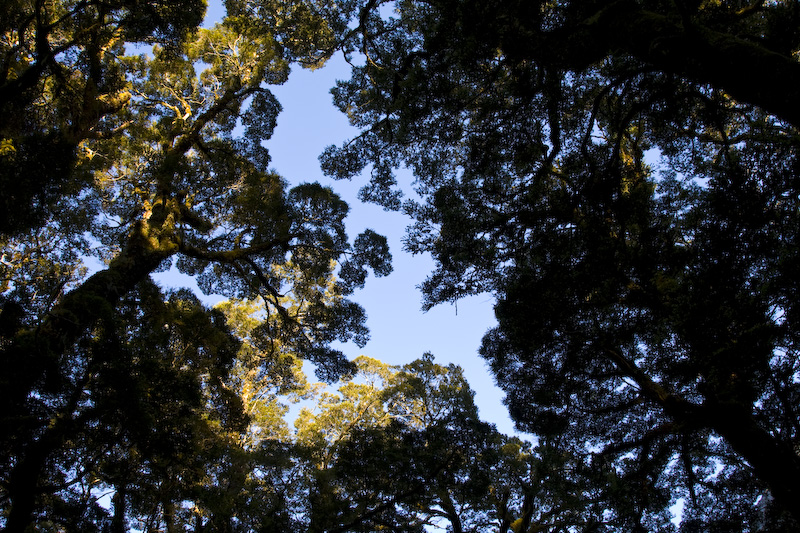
[623, 177]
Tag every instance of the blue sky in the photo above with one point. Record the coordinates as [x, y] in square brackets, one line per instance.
[400, 331]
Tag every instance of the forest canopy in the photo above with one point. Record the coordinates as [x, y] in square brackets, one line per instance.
[621, 176]
[143, 161]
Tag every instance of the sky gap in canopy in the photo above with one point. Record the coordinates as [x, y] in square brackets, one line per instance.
[400, 331]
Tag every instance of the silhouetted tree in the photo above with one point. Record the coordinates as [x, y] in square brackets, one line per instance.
[623, 177]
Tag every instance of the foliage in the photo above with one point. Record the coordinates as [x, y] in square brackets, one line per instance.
[137, 163]
[402, 448]
[622, 176]
[180, 420]
[60, 79]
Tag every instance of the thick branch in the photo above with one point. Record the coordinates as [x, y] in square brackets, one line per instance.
[42, 348]
[773, 462]
[747, 71]
[234, 254]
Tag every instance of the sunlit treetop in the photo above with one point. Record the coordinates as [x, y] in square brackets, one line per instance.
[132, 141]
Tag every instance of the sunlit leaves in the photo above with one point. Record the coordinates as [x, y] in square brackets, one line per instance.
[62, 78]
[307, 31]
[264, 371]
[139, 160]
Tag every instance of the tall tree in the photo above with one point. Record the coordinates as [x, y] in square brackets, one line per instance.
[623, 177]
[401, 448]
[138, 161]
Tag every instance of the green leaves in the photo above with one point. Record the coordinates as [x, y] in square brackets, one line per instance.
[395, 445]
[369, 249]
[143, 162]
[162, 22]
[621, 194]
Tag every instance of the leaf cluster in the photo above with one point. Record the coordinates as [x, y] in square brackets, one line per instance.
[133, 164]
[605, 172]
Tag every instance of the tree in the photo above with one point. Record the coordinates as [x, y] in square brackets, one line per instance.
[402, 448]
[622, 176]
[145, 161]
[59, 80]
[140, 415]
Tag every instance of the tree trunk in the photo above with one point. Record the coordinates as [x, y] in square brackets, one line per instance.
[747, 71]
[776, 464]
[118, 521]
[23, 484]
[44, 349]
[773, 462]
[450, 509]
[169, 516]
